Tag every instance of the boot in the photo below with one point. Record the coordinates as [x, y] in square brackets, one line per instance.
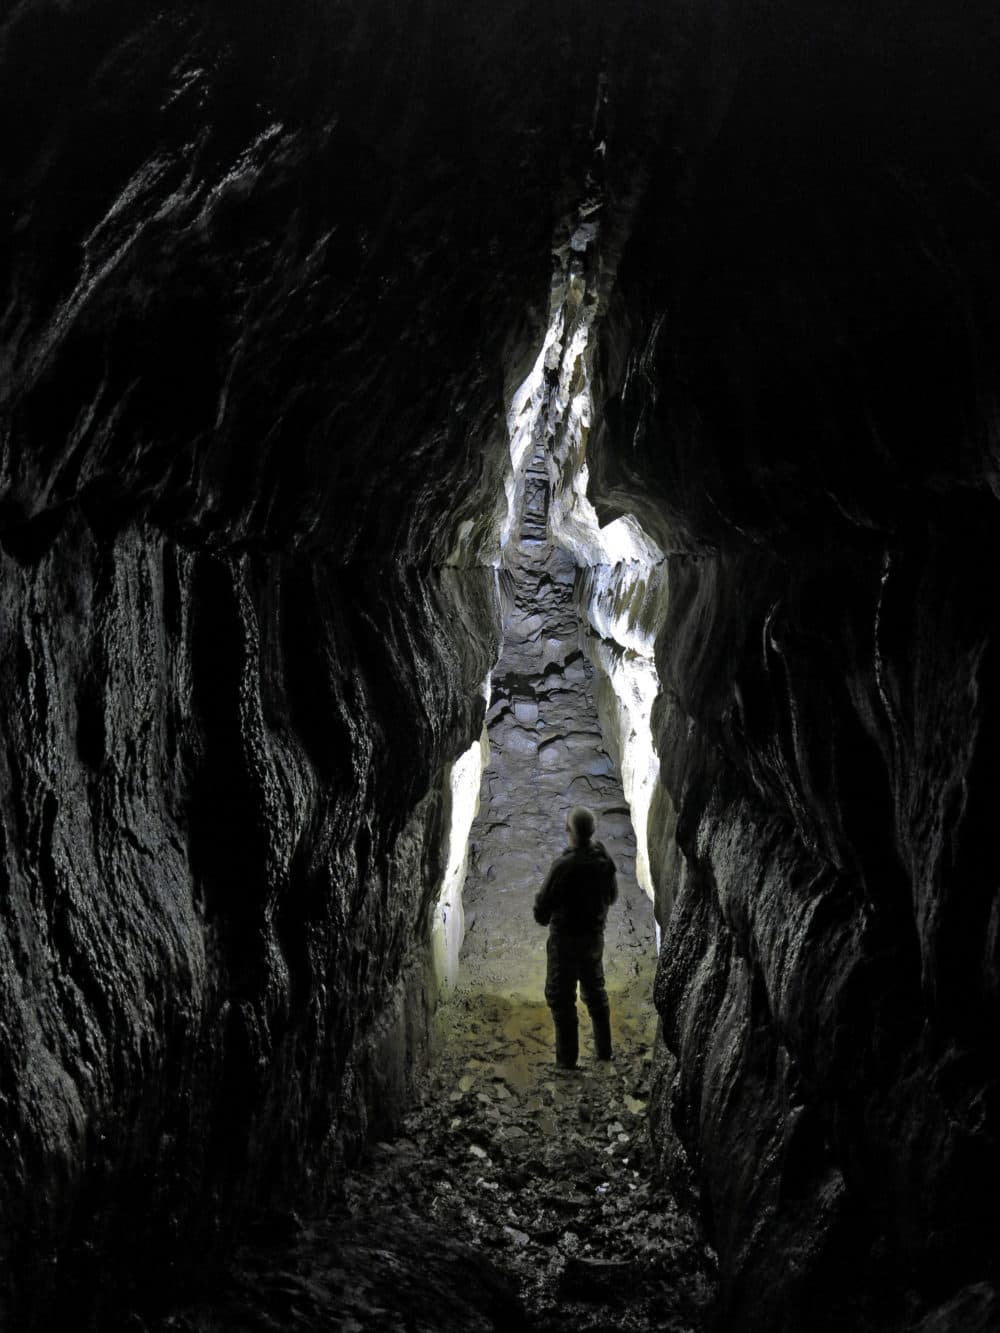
[567, 1038]
[601, 1024]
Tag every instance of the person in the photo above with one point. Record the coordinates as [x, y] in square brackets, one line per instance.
[573, 902]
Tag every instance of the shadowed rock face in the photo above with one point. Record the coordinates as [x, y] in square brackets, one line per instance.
[800, 374]
[272, 278]
[223, 827]
[253, 258]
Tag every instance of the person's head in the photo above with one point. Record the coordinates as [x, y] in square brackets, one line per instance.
[580, 824]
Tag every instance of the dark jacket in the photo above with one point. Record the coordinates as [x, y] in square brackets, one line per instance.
[578, 890]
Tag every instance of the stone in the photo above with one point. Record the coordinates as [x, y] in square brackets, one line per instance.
[264, 314]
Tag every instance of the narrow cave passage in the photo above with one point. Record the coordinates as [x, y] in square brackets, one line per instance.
[547, 753]
[276, 279]
[549, 1173]
[551, 1170]
[515, 1195]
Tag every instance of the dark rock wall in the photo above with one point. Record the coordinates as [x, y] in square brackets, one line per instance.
[799, 372]
[270, 277]
[268, 280]
[222, 831]
[253, 257]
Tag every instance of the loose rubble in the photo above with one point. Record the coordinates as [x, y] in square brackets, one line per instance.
[547, 1171]
[516, 1196]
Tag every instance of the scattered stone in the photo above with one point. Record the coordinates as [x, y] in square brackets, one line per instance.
[520, 1238]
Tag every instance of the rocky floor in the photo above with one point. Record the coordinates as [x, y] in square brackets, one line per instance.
[547, 1171]
[517, 1196]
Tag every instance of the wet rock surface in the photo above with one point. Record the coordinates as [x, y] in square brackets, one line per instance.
[181, 842]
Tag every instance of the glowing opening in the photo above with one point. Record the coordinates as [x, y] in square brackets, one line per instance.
[623, 560]
[522, 418]
[463, 778]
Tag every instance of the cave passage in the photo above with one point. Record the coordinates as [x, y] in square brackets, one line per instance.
[548, 1172]
[551, 1172]
[654, 345]
[547, 753]
[514, 1194]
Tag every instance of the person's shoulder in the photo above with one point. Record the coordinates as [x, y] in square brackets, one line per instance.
[602, 851]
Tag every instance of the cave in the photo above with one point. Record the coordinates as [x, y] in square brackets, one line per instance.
[416, 420]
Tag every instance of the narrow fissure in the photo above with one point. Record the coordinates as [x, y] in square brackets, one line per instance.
[548, 1172]
[514, 1193]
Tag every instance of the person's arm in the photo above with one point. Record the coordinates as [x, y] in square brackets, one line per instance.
[543, 902]
[611, 890]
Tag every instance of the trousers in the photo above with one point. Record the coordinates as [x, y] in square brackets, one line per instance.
[573, 961]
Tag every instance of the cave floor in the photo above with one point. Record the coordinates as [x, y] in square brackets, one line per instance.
[549, 1172]
[516, 1196]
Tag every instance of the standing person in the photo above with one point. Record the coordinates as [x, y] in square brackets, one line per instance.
[573, 903]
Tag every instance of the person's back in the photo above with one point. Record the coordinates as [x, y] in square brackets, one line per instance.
[573, 903]
[580, 889]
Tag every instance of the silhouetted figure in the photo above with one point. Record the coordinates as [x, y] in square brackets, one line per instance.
[573, 903]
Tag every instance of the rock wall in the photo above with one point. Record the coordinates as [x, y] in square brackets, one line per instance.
[223, 823]
[273, 276]
[272, 280]
[798, 383]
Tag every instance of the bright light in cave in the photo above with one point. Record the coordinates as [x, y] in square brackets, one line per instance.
[624, 559]
[525, 406]
[464, 779]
